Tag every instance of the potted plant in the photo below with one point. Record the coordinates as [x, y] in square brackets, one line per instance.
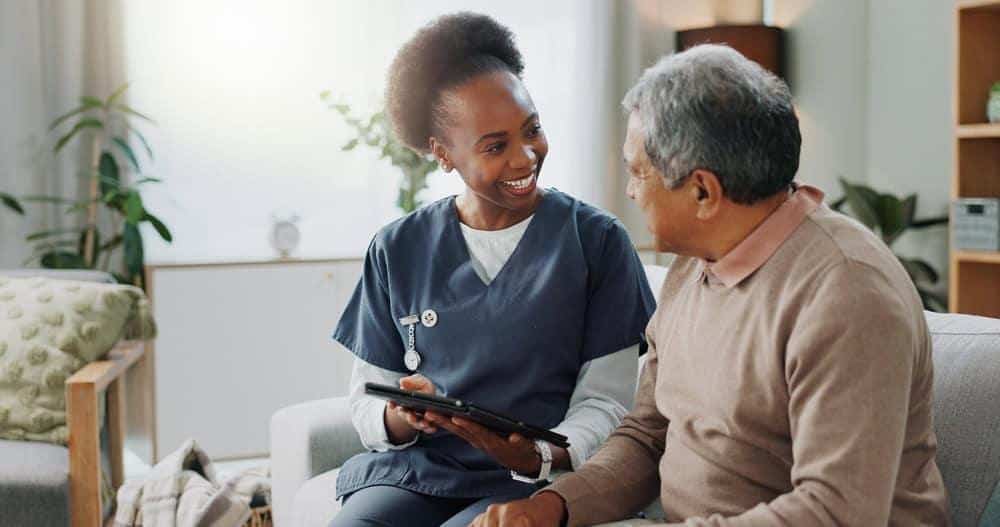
[374, 131]
[993, 104]
[889, 217]
[111, 197]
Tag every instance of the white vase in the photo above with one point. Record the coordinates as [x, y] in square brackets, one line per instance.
[738, 12]
[993, 107]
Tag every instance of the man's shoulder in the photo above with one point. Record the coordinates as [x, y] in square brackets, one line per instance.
[828, 239]
[831, 248]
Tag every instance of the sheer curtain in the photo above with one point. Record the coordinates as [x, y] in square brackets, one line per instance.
[51, 53]
[243, 136]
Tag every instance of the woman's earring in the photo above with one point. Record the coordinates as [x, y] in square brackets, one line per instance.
[446, 167]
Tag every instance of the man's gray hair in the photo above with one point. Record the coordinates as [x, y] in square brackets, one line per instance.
[711, 108]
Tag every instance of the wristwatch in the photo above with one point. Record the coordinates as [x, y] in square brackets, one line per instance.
[545, 452]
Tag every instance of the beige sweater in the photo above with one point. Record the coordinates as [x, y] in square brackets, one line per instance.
[798, 394]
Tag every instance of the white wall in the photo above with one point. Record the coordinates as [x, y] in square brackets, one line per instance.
[909, 117]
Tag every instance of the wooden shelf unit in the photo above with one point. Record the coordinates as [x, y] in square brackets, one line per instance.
[975, 275]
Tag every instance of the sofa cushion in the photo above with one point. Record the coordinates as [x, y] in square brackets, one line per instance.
[315, 504]
[49, 329]
[34, 484]
[991, 516]
[966, 409]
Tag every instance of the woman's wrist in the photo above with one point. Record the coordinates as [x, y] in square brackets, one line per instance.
[397, 429]
[561, 459]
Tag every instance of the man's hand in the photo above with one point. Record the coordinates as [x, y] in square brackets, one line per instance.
[546, 509]
[515, 451]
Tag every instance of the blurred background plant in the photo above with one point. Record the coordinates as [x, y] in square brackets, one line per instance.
[889, 217]
[375, 132]
[107, 236]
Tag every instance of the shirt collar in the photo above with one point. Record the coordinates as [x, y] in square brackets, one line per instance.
[751, 253]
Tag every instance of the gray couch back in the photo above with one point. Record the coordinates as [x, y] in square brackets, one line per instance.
[967, 409]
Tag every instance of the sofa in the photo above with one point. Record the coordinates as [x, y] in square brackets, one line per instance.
[44, 484]
[310, 440]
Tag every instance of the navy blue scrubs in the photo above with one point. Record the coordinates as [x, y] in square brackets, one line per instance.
[572, 291]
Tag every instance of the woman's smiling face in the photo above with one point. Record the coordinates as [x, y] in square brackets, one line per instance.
[495, 141]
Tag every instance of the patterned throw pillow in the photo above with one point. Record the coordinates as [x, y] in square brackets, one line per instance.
[49, 329]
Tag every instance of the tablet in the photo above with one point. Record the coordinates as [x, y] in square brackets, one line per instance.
[497, 422]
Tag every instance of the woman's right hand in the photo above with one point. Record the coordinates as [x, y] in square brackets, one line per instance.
[402, 423]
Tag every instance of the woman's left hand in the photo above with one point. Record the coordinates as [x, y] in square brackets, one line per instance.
[515, 451]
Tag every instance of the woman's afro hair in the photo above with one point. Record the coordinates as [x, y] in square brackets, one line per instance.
[445, 53]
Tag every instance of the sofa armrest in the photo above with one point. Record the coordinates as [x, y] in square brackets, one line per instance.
[308, 439]
[82, 391]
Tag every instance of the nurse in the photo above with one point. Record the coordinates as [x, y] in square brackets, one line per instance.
[523, 300]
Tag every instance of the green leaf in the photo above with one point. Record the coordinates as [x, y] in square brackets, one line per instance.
[11, 203]
[62, 260]
[107, 167]
[929, 222]
[161, 229]
[86, 122]
[53, 232]
[862, 202]
[933, 301]
[148, 180]
[134, 211]
[350, 145]
[891, 220]
[909, 209]
[325, 94]
[127, 150]
[91, 102]
[919, 270]
[74, 112]
[142, 139]
[132, 240]
[116, 95]
[130, 111]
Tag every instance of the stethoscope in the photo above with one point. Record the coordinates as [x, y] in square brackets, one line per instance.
[429, 319]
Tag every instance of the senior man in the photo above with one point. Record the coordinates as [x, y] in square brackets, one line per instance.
[789, 373]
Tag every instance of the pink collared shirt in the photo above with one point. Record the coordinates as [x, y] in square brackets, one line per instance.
[761, 244]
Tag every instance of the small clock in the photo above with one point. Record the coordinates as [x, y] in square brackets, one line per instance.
[285, 235]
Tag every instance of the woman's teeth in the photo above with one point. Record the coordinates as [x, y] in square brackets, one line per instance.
[520, 184]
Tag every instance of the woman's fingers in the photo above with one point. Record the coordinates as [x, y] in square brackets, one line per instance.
[416, 421]
[417, 383]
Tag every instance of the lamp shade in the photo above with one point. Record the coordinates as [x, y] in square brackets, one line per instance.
[759, 43]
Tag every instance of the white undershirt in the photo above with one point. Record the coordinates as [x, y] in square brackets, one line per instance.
[605, 386]
[490, 250]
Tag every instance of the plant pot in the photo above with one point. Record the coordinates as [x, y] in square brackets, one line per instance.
[993, 105]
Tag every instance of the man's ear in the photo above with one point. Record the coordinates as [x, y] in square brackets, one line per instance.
[707, 193]
[441, 154]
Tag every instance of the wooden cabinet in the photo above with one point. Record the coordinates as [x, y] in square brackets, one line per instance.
[975, 275]
[239, 341]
